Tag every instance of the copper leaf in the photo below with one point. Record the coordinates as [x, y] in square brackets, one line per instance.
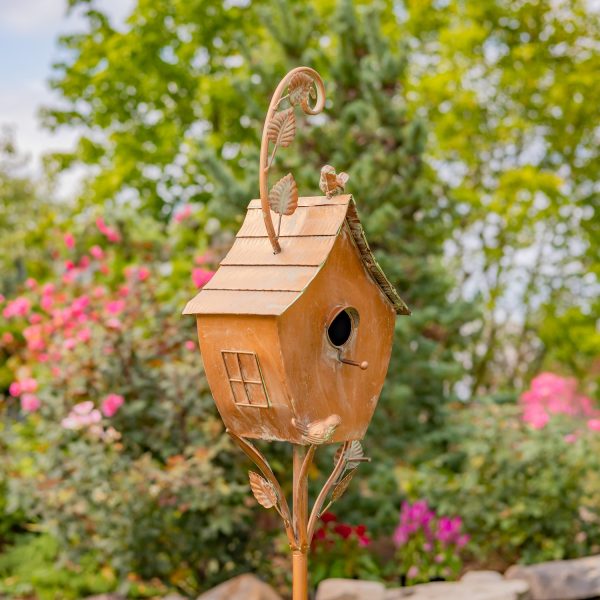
[263, 491]
[281, 129]
[342, 486]
[283, 197]
[299, 88]
[355, 451]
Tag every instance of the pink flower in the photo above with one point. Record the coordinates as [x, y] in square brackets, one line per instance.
[111, 404]
[201, 277]
[594, 424]
[84, 335]
[69, 343]
[190, 345]
[97, 252]
[29, 384]
[571, 438]
[69, 240]
[19, 307]
[115, 307]
[7, 338]
[31, 283]
[15, 389]
[143, 273]
[83, 408]
[30, 403]
[412, 572]
[183, 213]
[84, 263]
[114, 323]
[112, 235]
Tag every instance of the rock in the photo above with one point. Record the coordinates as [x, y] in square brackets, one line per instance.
[243, 587]
[350, 589]
[481, 577]
[479, 588]
[560, 579]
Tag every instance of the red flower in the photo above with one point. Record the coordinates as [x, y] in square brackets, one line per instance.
[328, 517]
[344, 530]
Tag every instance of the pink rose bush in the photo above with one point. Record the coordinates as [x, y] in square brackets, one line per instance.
[428, 545]
[550, 395]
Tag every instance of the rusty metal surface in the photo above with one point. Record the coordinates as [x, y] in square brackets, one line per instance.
[261, 277]
[302, 85]
[310, 201]
[296, 327]
[324, 219]
[308, 236]
[308, 252]
[239, 302]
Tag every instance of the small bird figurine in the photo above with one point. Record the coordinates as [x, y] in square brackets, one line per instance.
[318, 432]
[332, 184]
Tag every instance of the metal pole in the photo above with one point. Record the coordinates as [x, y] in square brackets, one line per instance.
[300, 554]
[300, 575]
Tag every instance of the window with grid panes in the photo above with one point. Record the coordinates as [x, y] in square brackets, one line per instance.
[245, 378]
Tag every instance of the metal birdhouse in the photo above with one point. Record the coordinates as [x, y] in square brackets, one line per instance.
[296, 326]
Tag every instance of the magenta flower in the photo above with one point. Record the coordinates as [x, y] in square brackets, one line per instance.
[143, 273]
[111, 404]
[115, 307]
[97, 252]
[594, 424]
[69, 240]
[15, 389]
[201, 277]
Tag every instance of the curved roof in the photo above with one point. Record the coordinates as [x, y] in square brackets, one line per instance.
[253, 280]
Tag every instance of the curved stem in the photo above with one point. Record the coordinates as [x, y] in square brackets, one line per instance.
[264, 145]
[314, 515]
[261, 462]
[301, 498]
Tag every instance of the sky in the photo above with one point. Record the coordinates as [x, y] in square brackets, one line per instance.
[28, 45]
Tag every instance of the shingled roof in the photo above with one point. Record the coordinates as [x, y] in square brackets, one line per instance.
[253, 280]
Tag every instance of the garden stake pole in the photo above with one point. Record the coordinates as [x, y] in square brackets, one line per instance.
[300, 552]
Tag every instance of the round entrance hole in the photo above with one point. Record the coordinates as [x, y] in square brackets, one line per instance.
[340, 329]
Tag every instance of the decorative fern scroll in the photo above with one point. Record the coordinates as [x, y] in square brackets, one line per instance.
[303, 84]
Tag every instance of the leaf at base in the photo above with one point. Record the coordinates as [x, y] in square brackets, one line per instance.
[299, 88]
[263, 491]
[281, 129]
[283, 197]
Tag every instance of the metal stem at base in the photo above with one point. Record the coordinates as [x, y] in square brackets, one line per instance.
[300, 574]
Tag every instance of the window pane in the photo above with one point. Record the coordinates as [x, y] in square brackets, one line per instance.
[250, 370]
[239, 392]
[257, 394]
[233, 368]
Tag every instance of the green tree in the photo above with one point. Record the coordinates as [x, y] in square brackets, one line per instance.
[510, 89]
[181, 119]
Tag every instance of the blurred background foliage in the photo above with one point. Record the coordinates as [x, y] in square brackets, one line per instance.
[469, 130]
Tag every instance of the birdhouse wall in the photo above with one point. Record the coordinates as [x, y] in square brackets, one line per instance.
[246, 347]
[319, 383]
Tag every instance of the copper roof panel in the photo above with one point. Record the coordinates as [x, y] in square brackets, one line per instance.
[312, 201]
[230, 302]
[316, 220]
[305, 251]
[261, 277]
